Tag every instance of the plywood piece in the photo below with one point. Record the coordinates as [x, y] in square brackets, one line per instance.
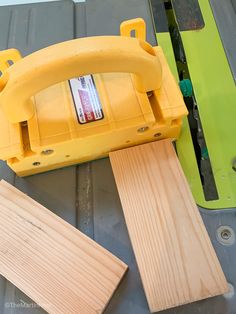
[56, 265]
[176, 260]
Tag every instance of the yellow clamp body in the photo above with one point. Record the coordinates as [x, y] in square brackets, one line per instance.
[138, 98]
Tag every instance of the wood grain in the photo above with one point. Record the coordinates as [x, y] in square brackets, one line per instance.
[176, 260]
[56, 265]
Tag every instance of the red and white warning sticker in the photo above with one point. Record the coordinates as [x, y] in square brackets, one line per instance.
[86, 100]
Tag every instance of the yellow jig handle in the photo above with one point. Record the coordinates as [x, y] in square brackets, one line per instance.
[74, 58]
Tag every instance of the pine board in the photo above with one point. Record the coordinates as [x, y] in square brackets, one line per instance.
[176, 260]
[56, 265]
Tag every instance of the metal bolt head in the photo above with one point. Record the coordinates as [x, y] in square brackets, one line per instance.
[143, 129]
[225, 235]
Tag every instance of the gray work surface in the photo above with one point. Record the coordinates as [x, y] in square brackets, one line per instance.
[225, 16]
[86, 195]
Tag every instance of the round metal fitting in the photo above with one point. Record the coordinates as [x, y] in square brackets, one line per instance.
[230, 293]
[143, 129]
[225, 235]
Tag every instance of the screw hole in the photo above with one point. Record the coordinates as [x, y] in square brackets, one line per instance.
[47, 152]
[10, 62]
[1, 73]
[143, 129]
[225, 234]
[36, 163]
[67, 156]
[157, 134]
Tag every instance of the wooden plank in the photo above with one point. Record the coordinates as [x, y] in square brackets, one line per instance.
[176, 260]
[56, 265]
